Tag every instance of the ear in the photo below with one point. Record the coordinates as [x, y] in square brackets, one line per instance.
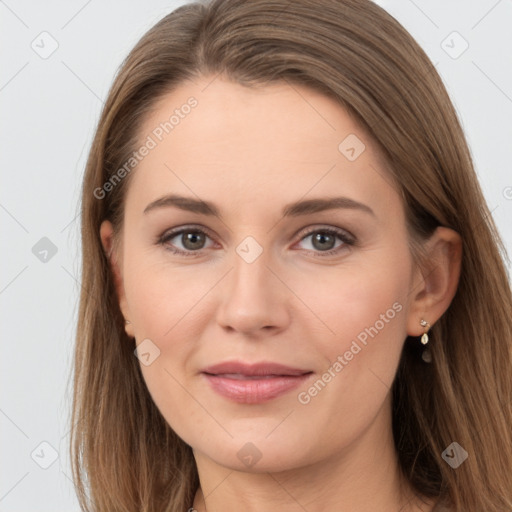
[433, 292]
[107, 240]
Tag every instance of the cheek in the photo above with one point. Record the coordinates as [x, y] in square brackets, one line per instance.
[350, 300]
[165, 305]
[363, 311]
[161, 297]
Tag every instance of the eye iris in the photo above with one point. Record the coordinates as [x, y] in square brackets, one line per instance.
[192, 240]
[321, 238]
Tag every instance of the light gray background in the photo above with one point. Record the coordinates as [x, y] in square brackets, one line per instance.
[49, 108]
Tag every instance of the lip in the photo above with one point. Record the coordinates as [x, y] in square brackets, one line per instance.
[253, 383]
[263, 368]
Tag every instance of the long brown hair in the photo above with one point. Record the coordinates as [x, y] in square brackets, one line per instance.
[125, 457]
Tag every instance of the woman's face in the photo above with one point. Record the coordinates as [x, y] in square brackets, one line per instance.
[271, 272]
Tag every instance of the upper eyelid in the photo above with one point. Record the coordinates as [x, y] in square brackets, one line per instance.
[319, 227]
[171, 233]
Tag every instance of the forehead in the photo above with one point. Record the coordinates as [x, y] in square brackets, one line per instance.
[223, 107]
[213, 136]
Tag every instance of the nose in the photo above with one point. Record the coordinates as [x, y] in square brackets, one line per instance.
[254, 299]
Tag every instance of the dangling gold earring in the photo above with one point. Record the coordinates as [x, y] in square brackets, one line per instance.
[424, 337]
[426, 355]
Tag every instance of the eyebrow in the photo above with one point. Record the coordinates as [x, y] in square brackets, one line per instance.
[291, 210]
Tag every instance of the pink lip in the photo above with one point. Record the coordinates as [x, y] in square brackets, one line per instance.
[253, 383]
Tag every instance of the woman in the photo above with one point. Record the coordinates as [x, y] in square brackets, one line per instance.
[294, 297]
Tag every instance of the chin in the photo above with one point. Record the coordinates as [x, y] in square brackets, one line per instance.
[259, 454]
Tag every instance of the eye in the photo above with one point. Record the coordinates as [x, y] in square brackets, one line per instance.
[323, 241]
[191, 239]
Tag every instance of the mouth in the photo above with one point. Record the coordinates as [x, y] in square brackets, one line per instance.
[253, 383]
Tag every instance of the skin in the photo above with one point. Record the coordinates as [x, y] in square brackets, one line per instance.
[251, 152]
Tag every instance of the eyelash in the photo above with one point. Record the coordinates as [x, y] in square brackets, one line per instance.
[347, 239]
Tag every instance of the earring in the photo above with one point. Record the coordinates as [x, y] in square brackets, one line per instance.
[126, 323]
[424, 337]
[426, 355]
